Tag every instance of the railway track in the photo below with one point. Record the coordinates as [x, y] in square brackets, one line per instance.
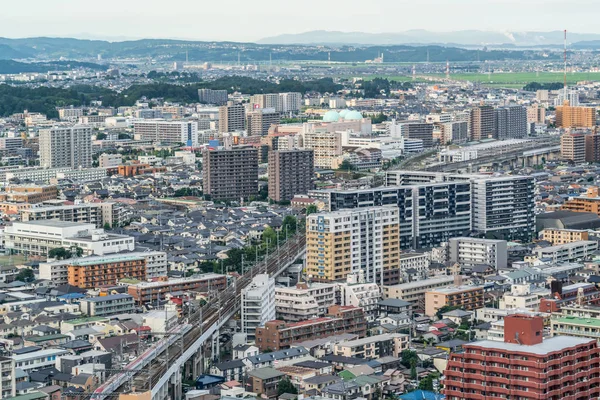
[225, 303]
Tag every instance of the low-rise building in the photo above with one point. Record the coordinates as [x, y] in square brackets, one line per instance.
[374, 346]
[38, 359]
[474, 251]
[275, 335]
[303, 301]
[563, 236]
[414, 292]
[466, 297]
[149, 292]
[57, 271]
[568, 252]
[95, 272]
[264, 382]
[107, 305]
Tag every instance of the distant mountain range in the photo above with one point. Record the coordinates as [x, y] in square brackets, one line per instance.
[420, 37]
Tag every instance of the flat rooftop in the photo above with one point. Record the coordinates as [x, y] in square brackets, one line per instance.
[54, 223]
[592, 322]
[432, 281]
[550, 345]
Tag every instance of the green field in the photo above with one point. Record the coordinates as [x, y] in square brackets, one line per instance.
[508, 79]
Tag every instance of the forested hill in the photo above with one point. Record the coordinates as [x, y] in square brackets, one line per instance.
[15, 99]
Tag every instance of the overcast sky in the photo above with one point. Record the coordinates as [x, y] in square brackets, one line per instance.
[250, 20]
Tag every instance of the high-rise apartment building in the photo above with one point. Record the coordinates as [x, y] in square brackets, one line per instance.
[592, 147]
[501, 206]
[349, 241]
[572, 147]
[418, 130]
[260, 120]
[326, 146]
[430, 213]
[230, 174]
[258, 304]
[66, 147]
[572, 96]
[482, 122]
[232, 117]
[510, 122]
[209, 96]
[281, 102]
[290, 173]
[525, 366]
[536, 114]
[168, 132]
[568, 116]
[456, 132]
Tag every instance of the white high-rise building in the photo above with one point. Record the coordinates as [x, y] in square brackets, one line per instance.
[168, 132]
[258, 304]
[66, 147]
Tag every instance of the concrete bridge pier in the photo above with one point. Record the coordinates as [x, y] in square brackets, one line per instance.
[215, 346]
[175, 387]
[194, 367]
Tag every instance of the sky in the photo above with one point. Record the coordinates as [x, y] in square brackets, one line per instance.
[251, 20]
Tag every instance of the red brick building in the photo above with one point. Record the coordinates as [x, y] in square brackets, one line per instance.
[525, 366]
[277, 334]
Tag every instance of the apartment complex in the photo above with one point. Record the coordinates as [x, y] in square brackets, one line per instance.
[259, 121]
[150, 292]
[95, 272]
[563, 236]
[469, 252]
[374, 347]
[510, 122]
[572, 251]
[290, 173]
[281, 102]
[232, 117]
[573, 147]
[482, 122]
[465, 297]
[326, 146]
[257, 304]
[7, 377]
[230, 174]
[303, 301]
[209, 96]
[98, 214]
[107, 160]
[536, 114]
[31, 194]
[275, 335]
[590, 202]
[349, 241]
[456, 132]
[414, 292]
[66, 147]
[429, 213]
[575, 117]
[167, 132]
[417, 130]
[592, 147]
[524, 366]
[58, 271]
[102, 306]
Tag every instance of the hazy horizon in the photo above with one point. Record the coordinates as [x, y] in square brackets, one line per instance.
[243, 21]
